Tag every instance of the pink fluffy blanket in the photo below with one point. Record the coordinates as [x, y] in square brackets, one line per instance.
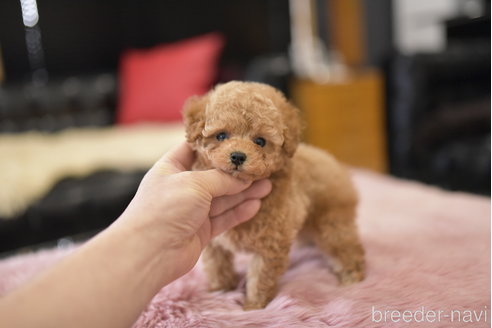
[428, 254]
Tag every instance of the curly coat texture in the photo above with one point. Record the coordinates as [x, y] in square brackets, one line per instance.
[312, 196]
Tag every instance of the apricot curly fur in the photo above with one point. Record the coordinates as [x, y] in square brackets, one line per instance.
[312, 196]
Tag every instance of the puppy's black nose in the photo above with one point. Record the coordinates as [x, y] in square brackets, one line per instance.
[238, 158]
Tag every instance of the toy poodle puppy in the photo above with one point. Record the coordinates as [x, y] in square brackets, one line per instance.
[251, 131]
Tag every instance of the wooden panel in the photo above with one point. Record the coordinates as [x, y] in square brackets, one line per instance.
[346, 118]
[345, 25]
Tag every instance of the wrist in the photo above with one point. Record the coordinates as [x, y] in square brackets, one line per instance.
[148, 255]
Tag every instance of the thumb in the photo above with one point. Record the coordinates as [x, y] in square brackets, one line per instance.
[178, 159]
[217, 183]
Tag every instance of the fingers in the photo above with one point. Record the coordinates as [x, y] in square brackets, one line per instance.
[178, 159]
[213, 182]
[258, 189]
[217, 183]
[234, 216]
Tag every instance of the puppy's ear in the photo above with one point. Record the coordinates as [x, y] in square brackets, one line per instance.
[194, 117]
[292, 128]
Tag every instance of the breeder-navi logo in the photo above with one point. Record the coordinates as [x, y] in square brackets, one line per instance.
[426, 315]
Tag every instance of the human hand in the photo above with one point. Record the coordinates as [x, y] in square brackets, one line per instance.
[110, 279]
[181, 210]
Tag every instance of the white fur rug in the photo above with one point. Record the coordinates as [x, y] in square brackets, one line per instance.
[32, 163]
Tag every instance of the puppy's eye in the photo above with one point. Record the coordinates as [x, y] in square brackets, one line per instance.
[260, 142]
[221, 136]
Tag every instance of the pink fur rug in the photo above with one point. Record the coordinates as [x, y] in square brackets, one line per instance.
[428, 254]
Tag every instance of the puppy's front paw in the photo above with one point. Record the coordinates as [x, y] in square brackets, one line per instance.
[252, 305]
[223, 283]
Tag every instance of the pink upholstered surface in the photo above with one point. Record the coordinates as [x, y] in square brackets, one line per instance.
[428, 251]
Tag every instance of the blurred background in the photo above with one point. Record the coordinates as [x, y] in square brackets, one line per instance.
[401, 87]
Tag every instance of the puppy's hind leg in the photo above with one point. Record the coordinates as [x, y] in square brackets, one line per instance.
[219, 267]
[336, 234]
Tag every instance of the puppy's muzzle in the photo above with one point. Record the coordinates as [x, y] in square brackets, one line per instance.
[238, 158]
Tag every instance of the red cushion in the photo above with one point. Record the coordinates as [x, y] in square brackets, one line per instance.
[155, 83]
